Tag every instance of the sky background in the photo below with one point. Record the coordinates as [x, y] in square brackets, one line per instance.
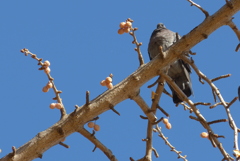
[80, 40]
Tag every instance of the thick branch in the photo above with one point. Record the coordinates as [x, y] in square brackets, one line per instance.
[122, 91]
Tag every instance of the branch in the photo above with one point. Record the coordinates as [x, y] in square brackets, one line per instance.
[158, 129]
[155, 100]
[137, 49]
[235, 29]
[142, 104]
[226, 106]
[199, 7]
[122, 91]
[43, 67]
[97, 144]
[200, 118]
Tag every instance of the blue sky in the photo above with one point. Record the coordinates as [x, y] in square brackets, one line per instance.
[80, 40]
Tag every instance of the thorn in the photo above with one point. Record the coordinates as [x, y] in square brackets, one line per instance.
[158, 121]
[143, 117]
[64, 145]
[194, 118]
[87, 97]
[112, 108]
[217, 121]
[163, 111]
[94, 148]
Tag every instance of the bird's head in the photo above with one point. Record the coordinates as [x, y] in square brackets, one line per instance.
[161, 25]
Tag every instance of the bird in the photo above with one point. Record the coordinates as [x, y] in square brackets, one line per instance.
[179, 71]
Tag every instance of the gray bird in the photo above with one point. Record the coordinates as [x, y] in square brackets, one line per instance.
[179, 71]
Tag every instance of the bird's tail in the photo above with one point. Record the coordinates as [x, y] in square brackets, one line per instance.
[186, 87]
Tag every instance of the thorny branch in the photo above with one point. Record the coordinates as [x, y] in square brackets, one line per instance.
[217, 92]
[158, 129]
[97, 143]
[199, 116]
[68, 125]
[57, 92]
[137, 49]
[155, 100]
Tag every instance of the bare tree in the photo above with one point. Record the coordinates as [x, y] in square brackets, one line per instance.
[129, 88]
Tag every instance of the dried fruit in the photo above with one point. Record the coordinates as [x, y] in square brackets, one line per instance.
[49, 85]
[46, 63]
[168, 126]
[122, 24]
[91, 124]
[59, 106]
[52, 105]
[47, 70]
[128, 24]
[109, 86]
[126, 29]
[165, 121]
[45, 89]
[96, 127]
[204, 135]
[103, 83]
[120, 31]
[108, 80]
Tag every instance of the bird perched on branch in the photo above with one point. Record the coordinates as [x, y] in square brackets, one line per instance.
[179, 71]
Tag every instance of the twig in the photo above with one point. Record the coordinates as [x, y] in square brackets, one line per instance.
[163, 111]
[64, 145]
[216, 104]
[155, 153]
[217, 121]
[57, 92]
[97, 143]
[169, 144]
[151, 85]
[167, 93]
[142, 117]
[220, 77]
[193, 118]
[137, 49]
[198, 6]
[234, 100]
[234, 28]
[202, 103]
[142, 104]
